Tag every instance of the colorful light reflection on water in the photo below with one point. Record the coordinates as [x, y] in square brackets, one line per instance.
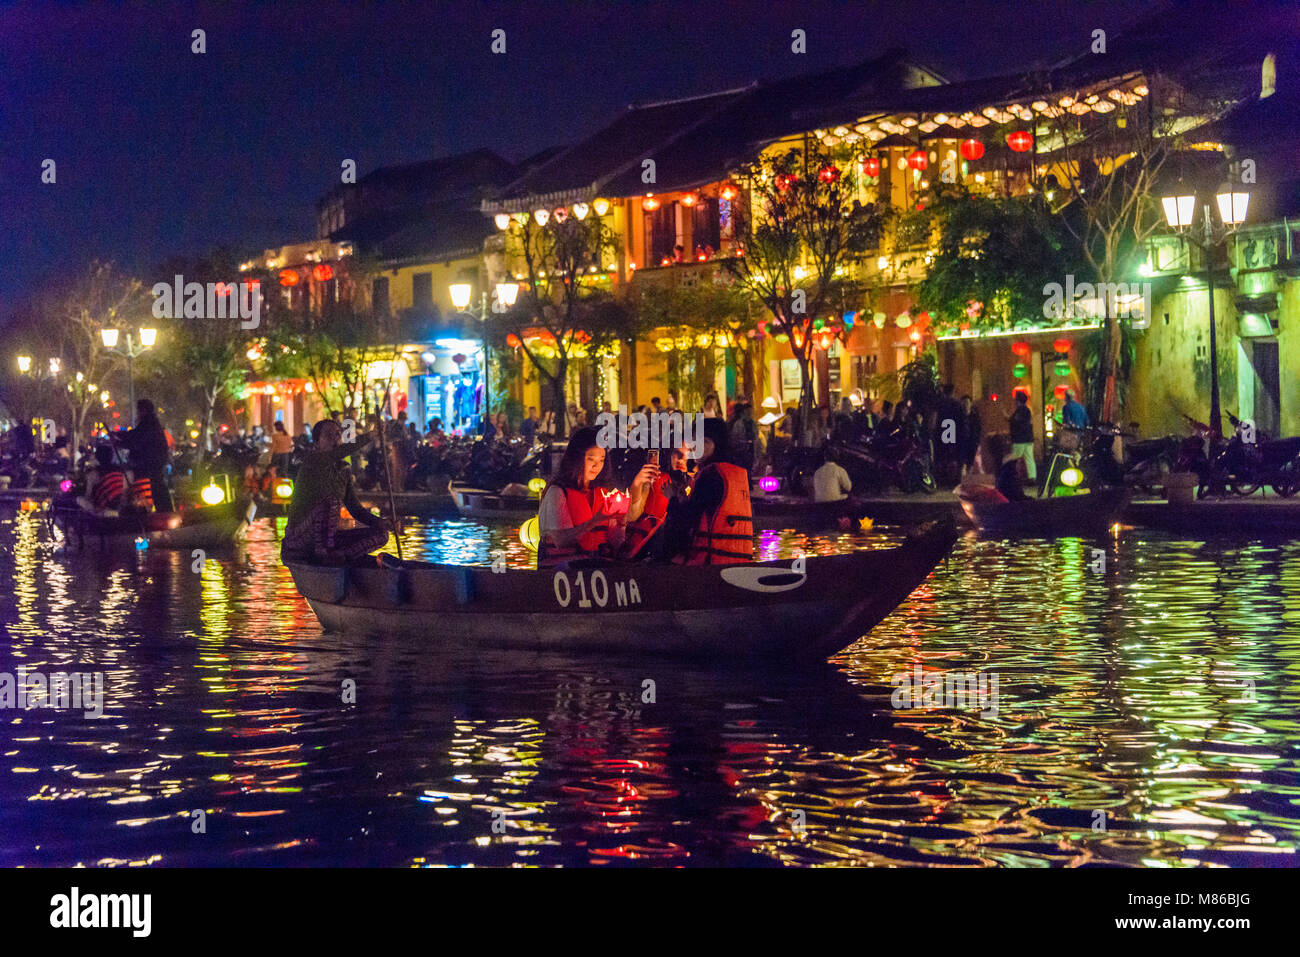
[1127, 692]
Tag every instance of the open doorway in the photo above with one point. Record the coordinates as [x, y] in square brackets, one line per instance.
[1259, 393]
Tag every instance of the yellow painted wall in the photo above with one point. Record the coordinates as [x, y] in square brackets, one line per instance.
[401, 282]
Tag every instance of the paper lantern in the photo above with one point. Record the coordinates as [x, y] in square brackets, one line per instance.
[828, 174]
[769, 483]
[904, 320]
[1071, 477]
[871, 166]
[1020, 141]
[581, 210]
[289, 277]
[560, 214]
[1061, 345]
[784, 181]
[918, 160]
[512, 341]
[1060, 391]
[1020, 348]
[729, 191]
[971, 150]
[601, 206]
[689, 199]
[536, 484]
[502, 220]
[1062, 368]
[530, 534]
[1020, 370]
[284, 489]
[649, 204]
[322, 272]
[542, 216]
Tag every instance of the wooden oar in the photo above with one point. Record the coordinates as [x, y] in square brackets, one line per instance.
[383, 451]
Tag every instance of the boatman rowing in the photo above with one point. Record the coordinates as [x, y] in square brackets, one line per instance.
[324, 485]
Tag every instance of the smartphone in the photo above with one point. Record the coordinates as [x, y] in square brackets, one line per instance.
[652, 457]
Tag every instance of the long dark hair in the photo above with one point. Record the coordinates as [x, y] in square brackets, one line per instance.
[569, 474]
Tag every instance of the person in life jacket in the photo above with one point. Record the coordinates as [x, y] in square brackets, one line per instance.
[577, 519]
[663, 497]
[718, 509]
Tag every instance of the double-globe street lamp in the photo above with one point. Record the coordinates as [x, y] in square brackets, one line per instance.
[506, 295]
[132, 349]
[1180, 213]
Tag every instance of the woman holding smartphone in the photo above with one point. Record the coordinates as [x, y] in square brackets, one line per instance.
[576, 518]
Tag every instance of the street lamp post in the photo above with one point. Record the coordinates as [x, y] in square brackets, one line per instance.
[147, 338]
[461, 293]
[1180, 211]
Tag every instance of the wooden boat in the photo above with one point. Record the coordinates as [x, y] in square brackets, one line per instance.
[484, 506]
[208, 526]
[786, 511]
[1084, 513]
[805, 608]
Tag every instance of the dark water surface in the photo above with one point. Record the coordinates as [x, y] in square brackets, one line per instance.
[1163, 691]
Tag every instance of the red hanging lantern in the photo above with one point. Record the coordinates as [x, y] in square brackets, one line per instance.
[784, 181]
[649, 204]
[871, 166]
[971, 150]
[1020, 141]
[797, 337]
[918, 160]
[289, 277]
[323, 272]
[729, 191]
[1020, 348]
[512, 341]
[1061, 345]
[1060, 391]
[828, 174]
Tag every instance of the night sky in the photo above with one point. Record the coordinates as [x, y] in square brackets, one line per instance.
[162, 152]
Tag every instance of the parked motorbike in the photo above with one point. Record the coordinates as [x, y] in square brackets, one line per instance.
[1245, 466]
[881, 461]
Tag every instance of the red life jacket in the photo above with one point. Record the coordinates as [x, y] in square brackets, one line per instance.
[582, 506]
[727, 536]
[651, 520]
[109, 490]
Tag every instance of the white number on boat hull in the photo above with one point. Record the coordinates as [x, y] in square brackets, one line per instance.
[594, 590]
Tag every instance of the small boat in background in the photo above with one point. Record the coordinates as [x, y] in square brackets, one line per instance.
[207, 526]
[805, 608]
[484, 506]
[1087, 512]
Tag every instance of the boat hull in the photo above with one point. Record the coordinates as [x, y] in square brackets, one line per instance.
[806, 608]
[484, 506]
[213, 526]
[1087, 514]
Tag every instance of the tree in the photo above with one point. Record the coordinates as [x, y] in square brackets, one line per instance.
[1106, 166]
[72, 319]
[560, 305]
[804, 235]
[990, 258]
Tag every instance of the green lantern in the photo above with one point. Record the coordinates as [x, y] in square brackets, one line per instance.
[818, 323]
[1020, 370]
[1062, 367]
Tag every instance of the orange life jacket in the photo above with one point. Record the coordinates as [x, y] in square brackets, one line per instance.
[651, 520]
[727, 536]
[142, 494]
[582, 506]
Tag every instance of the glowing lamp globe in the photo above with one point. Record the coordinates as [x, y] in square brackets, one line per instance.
[769, 483]
[148, 337]
[1020, 141]
[1071, 477]
[460, 293]
[536, 484]
[108, 336]
[284, 489]
[530, 534]
[212, 494]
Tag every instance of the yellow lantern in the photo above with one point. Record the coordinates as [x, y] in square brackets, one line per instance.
[703, 340]
[665, 345]
[212, 494]
[530, 534]
[536, 484]
[284, 488]
[601, 206]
